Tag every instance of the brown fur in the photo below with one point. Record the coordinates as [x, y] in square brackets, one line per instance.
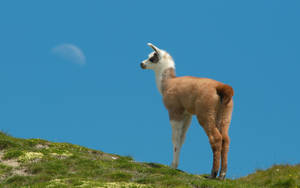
[211, 101]
[225, 92]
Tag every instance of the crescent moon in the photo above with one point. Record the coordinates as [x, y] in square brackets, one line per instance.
[70, 52]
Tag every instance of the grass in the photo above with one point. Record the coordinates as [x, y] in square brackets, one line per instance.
[40, 163]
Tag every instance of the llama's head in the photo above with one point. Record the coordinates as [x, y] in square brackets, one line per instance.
[158, 60]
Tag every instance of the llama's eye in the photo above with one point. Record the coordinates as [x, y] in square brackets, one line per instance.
[154, 58]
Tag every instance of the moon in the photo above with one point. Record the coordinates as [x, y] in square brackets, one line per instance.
[70, 52]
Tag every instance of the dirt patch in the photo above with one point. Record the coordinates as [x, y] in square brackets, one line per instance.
[41, 146]
[16, 166]
[9, 162]
[103, 156]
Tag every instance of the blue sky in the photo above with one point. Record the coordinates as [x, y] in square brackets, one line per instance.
[105, 101]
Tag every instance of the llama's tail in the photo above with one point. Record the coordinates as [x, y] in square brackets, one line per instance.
[225, 92]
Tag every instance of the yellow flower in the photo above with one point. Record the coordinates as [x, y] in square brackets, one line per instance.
[29, 156]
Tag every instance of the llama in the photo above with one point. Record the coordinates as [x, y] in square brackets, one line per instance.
[210, 100]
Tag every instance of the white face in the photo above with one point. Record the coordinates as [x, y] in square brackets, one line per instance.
[157, 60]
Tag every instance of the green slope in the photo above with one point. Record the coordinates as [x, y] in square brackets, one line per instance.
[40, 163]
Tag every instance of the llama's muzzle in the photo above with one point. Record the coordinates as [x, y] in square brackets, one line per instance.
[143, 66]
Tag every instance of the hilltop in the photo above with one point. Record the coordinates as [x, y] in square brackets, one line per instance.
[41, 163]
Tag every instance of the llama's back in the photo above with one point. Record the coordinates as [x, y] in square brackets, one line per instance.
[194, 94]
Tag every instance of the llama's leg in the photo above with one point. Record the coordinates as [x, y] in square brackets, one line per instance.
[224, 126]
[186, 124]
[176, 132]
[215, 140]
[224, 152]
[179, 129]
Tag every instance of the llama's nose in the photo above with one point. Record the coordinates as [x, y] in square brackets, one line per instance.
[143, 66]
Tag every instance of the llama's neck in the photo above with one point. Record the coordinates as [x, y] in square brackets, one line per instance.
[162, 75]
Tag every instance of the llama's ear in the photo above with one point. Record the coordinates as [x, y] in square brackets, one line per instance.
[153, 47]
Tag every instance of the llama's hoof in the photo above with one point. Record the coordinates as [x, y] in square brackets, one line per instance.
[213, 175]
[209, 177]
[174, 166]
[222, 176]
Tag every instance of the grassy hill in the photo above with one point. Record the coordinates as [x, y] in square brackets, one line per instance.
[40, 163]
